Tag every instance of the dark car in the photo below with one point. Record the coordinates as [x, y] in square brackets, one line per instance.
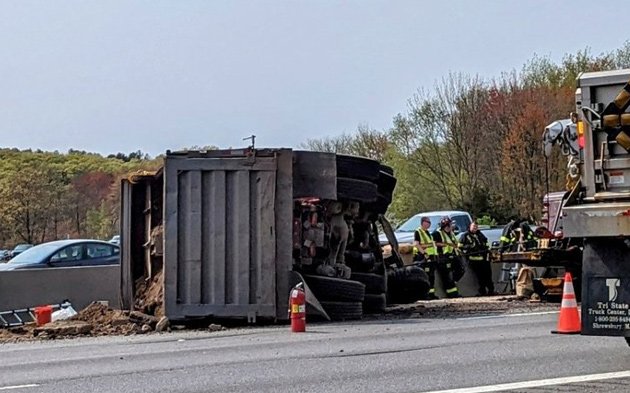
[65, 253]
[493, 235]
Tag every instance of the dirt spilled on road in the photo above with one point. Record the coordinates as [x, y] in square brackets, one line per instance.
[95, 320]
[466, 307]
[105, 321]
[149, 295]
[100, 320]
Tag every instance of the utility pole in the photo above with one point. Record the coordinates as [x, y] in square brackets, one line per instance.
[253, 139]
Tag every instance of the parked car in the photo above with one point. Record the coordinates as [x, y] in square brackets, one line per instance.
[65, 253]
[19, 249]
[404, 233]
[493, 235]
[115, 240]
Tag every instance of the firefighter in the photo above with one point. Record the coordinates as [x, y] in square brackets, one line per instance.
[446, 245]
[517, 232]
[425, 253]
[508, 237]
[474, 245]
[528, 237]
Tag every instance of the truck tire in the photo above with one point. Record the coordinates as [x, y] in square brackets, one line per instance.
[378, 207]
[387, 169]
[335, 289]
[356, 190]
[374, 283]
[407, 284]
[374, 304]
[386, 184]
[343, 311]
[360, 168]
[408, 274]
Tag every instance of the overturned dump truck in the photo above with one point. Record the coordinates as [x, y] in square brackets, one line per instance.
[227, 233]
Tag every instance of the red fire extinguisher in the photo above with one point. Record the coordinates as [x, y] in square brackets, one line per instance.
[297, 309]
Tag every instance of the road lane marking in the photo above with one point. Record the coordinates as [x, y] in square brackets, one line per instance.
[538, 383]
[525, 314]
[32, 385]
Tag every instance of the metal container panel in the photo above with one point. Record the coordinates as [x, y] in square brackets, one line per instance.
[220, 236]
[126, 279]
[597, 220]
[600, 88]
[308, 168]
[554, 202]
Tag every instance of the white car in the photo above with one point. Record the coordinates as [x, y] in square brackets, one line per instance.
[115, 240]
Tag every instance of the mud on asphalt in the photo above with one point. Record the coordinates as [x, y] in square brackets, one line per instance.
[98, 320]
[465, 307]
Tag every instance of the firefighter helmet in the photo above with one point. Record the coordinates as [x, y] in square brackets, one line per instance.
[445, 222]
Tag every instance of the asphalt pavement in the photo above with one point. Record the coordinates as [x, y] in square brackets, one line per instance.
[406, 355]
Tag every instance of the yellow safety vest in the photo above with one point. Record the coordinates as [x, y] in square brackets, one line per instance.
[447, 239]
[425, 238]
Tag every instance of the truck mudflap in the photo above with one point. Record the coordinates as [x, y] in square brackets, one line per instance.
[606, 287]
[312, 302]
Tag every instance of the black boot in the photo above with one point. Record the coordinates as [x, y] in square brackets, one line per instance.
[431, 296]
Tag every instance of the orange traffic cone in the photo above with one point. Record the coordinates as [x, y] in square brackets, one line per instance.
[569, 321]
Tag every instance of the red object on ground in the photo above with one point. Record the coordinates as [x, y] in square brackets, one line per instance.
[569, 320]
[297, 309]
[43, 315]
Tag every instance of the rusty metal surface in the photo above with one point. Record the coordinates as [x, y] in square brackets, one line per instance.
[539, 257]
[309, 168]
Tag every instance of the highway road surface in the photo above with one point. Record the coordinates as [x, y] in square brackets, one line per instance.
[513, 353]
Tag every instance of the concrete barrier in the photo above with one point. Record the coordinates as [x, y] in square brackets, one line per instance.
[468, 285]
[80, 285]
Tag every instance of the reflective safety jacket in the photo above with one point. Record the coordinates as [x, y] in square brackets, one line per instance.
[448, 239]
[474, 245]
[508, 236]
[425, 238]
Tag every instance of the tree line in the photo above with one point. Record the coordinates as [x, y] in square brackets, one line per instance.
[476, 144]
[468, 143]
[50, 195]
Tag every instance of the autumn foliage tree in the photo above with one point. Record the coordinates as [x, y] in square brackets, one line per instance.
[476, 144]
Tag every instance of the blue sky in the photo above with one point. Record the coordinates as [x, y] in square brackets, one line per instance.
[113, 76]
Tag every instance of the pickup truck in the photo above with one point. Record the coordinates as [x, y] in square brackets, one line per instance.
[404, 233]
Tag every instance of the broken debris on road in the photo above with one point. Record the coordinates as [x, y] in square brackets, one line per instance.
[94, 320]
[100, 320]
